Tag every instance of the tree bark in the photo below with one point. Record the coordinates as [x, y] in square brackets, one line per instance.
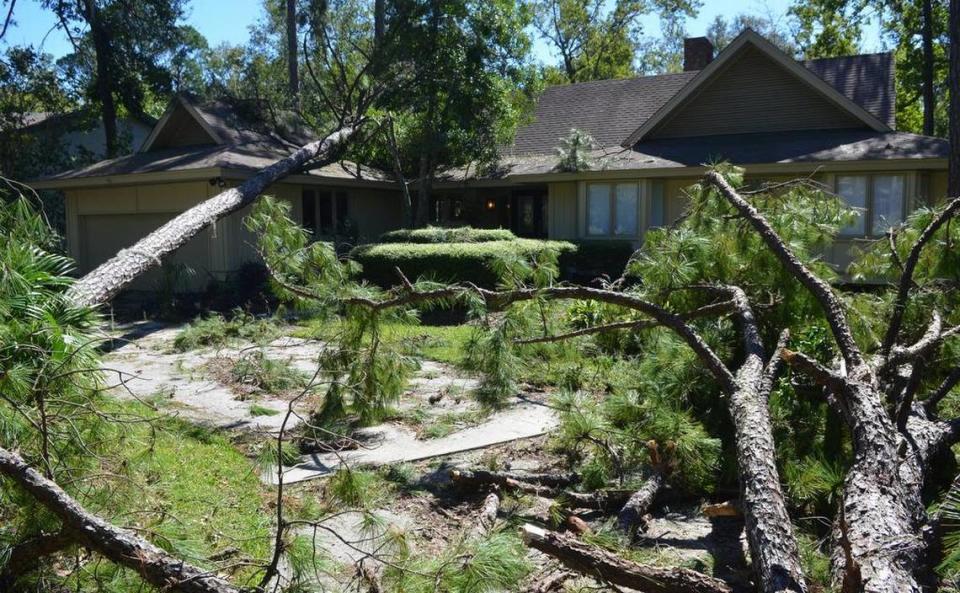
[480, 478]
[104, 282]
[379, 21]
[595, 562]
[487, 517]
[104, 57]
[293, 65]
[631, 515]
[25, 557]
[127, 549]
[953, 182]
[929, 99]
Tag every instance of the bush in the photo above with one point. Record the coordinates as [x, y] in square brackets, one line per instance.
[448, 262]
[434, 234]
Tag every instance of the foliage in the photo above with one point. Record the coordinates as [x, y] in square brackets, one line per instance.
[267, 374]
[598, 40]
[215, 331]
[450, 262]
[497, 562]
[434, 234]
[574, 152]
[594, 259]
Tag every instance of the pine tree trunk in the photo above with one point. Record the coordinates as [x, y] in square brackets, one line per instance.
[127, 549]
[773, 546]
[108, 108]
[929, 99]
[293, 66]
[104, 282]
[953, 183]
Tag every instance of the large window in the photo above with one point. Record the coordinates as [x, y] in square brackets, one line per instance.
[879, 199]
[613, 209]
[318, 211]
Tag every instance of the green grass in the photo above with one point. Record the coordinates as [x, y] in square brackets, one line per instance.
[444, 343]
[258, 410]
[188, 489]
[267, 374]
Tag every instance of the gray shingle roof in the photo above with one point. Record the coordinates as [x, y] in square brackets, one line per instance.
[809, 146]
[610, 110]
[865, 79]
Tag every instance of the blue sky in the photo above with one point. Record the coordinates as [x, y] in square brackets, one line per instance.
[228, 21]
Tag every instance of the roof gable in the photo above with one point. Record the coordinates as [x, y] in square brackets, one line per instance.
[752, 86]
[181, 125]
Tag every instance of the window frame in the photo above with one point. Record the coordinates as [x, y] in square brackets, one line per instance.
[612, 208]
[868, 209]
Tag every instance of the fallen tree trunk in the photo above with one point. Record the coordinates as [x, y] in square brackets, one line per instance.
[631, 516]
[480, 478]
[553, 480]
[127, 549]
[595, 562]
[109, 278]
[599, 500]
[25, 556]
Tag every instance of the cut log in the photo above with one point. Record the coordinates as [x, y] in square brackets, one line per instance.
[722, 509]
[595, 562]
[109, 278]
[127, 549]
[577, 525]
[631, 516]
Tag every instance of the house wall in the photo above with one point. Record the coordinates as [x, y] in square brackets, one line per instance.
[562, 210]
[102, 221]
[776, 100]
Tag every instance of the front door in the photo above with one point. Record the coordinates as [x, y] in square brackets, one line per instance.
[528, 214]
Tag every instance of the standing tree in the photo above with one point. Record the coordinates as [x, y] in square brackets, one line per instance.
[293, 66]
[460, 105]
[953, 184]
[595, 41]
[121, 53]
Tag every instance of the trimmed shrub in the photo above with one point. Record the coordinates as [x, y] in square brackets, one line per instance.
[592, 259]
[446, 262]
[435, 234]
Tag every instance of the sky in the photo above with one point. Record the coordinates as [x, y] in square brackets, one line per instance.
[229, 21]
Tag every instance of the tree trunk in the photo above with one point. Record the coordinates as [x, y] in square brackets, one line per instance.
[379, 21]
[101, 48]
[773, 547]
[595, 562]
[127, 549]
[878, 530]
[293, 65]
[929, 99]
[953, 184]
[487, 517]
[25, 557]
[421, 213]
[631, 515]
[103, 283]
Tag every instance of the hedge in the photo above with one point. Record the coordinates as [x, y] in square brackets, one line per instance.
[448, 262]
[434, 234]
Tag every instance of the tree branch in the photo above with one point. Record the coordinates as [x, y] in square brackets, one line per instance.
[832, 306]
[906, 278]
[119, 545]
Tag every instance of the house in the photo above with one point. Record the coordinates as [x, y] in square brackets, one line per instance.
[193, 153]
[751, 105]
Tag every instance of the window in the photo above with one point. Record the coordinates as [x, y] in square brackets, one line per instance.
[613, 209]
[317, 211]
[878, 198]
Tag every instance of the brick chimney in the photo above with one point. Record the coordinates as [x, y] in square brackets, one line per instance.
[697, 53]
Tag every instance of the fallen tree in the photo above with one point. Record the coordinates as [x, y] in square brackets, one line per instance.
[593, 561]
[106, 280]
[156, 567]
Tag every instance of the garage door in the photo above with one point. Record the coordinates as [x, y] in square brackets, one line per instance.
[103, 235]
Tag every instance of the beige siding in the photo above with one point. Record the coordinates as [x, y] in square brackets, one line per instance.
[675, 198]
[938, 186]
[562, 210]
[754, 94]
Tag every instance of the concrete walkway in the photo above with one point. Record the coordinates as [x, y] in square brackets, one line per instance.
[391, 443]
